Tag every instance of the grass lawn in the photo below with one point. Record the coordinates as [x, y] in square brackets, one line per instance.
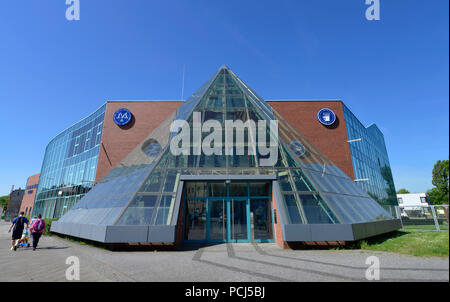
[416, 243]
[425, 227]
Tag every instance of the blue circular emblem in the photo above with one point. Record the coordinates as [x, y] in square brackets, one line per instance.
[122, 117]
[326, 116]
[298, 148]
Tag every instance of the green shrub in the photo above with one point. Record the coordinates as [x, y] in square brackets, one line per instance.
[48, 224]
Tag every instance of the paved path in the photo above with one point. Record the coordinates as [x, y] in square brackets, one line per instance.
[224, 262]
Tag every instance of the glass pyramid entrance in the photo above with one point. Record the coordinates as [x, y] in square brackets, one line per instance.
[141, 198]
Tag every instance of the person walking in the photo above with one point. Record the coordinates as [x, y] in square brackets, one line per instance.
[37, 228]
[17, 226]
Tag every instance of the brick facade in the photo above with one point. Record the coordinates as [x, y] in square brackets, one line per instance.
[117, 142]
[331, 141]
[29, 195]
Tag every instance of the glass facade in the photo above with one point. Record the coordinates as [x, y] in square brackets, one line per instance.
[142, 190]
[221, 212]
[310, 181]
[69, 166]
[370, 160]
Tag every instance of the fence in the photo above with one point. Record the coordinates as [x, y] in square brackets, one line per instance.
[424, 217]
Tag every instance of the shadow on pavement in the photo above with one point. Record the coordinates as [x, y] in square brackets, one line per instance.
[52, 248]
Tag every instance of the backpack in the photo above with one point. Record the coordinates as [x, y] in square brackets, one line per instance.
[38, 226]
[19, 223]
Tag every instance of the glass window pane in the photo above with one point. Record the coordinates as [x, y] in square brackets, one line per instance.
[171, 181]
[262, 218]
[195, 219]
[283, 178]
[144, 201]
[339, 208]
[152, 148]
[238, 189]
[260, 188]
[316, 210]
[196, 189]
[140, 211]
[153, 183]
[162, 216]
[136, 216]
[301, 182]
[292, 209]
[217, 189]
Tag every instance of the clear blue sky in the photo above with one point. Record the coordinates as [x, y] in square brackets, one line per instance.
[393, 72]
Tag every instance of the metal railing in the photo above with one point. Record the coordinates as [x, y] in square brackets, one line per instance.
[424, 217]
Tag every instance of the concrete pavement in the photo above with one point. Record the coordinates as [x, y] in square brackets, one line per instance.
[223, 262]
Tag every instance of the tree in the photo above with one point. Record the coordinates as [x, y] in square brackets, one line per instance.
[436, 197]
[4, 202]
[440, 176]
[439, 194]
[402, 191]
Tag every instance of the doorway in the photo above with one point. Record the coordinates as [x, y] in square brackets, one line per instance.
[217, 219]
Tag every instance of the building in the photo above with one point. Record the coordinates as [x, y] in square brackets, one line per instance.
[413, 204]
[331, 180]
[29, 195]
[371, 166]
[15, 200]
[84, 153]
[104, 145]
[413, 200]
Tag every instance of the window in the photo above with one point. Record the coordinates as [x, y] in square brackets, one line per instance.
[151, 148]
[423, 199]
[400, 200]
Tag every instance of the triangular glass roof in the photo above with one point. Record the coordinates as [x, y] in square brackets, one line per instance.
[141, 190]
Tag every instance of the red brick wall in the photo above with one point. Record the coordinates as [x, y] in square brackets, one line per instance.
[332, 141]
[28, 199]
[118, 142]
[278, 232]
[302, 115]
[180, 224]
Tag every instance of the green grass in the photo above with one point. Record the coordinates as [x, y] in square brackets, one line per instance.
[416, 243]
[425, 227]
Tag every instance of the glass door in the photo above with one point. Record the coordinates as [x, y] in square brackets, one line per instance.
[195, 220]
[229, 220]
[217, 220]
[220, 212]
[239, 220]
[262, 219]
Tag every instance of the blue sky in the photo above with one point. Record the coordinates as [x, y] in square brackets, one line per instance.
[393, 72]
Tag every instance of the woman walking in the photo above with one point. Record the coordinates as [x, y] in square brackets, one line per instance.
[37, 228]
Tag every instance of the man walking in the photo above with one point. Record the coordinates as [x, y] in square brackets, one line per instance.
[17, 226]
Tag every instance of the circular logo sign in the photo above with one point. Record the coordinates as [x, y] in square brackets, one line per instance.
[122, 117]
[298, 148]
[326, 116]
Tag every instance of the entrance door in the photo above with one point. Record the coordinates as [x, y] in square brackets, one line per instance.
[220, 212]
[228, 220]
[217, 222]
[262, 219]
[239, 220]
